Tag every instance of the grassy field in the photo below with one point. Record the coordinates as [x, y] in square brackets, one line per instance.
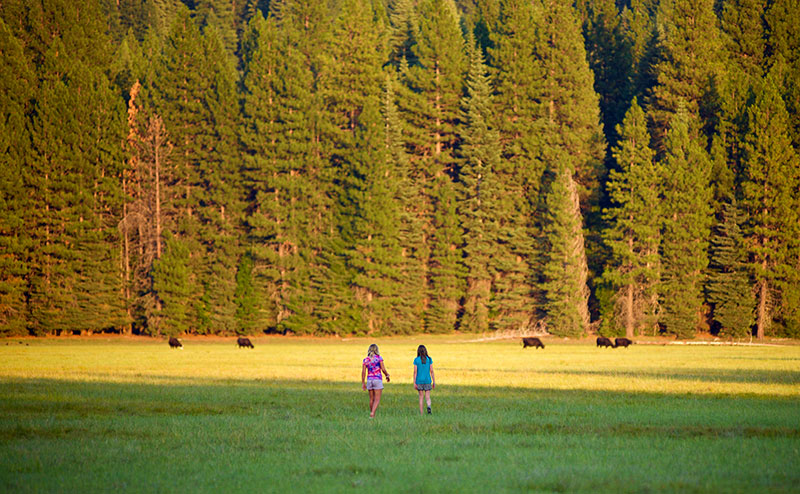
[100, 415]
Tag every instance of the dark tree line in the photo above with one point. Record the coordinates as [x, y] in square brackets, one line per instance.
[400, 166]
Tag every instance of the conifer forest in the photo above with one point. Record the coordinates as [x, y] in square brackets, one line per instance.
[382, 167]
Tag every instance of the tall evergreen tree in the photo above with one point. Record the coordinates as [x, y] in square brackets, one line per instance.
[194, 88]
[365, 258]
[575, 139]
[410, 304]
[783, 57]
[687, 221]
[518, 108]
[261, 86]
[431, 106]
[565, 272]
[633, 227]
[745, 50]
[300, 181]
[610, 58]
[639, 28]
[75, 168]
[770, 197]
[477, 211]
[688, 69]
[729, 288]
[16, 84]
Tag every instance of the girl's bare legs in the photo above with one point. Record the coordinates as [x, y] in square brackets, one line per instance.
[374, 402]
[427, 398]
[421, 397]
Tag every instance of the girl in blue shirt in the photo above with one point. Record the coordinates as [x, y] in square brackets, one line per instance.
[424, 380]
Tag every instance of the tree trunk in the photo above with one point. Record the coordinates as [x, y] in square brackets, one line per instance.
[761, 320]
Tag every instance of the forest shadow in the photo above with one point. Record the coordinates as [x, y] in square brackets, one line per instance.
[697, 374]
[26, 404]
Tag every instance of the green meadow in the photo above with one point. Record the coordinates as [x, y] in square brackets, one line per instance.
[133, 415]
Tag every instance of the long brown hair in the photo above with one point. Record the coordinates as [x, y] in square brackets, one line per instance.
[422, 353]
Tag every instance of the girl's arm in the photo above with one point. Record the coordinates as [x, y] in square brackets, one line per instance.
[415, 378]
[363, 376]
[383, 368]
[433, 379]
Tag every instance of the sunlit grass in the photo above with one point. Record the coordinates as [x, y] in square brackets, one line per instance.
[759, 370]
[133, 415]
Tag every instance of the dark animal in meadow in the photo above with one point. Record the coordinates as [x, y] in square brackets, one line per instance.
[175, 343]
[603, 341]
[534, 342]
[244, 342]
[623, 342]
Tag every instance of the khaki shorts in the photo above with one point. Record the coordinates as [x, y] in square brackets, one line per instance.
[374, 384]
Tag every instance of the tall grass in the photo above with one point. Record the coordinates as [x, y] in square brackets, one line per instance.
[290, 416]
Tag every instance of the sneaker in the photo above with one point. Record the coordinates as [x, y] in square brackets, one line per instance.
[429, 410]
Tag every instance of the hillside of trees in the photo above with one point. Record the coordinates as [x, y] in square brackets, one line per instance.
[354, 167]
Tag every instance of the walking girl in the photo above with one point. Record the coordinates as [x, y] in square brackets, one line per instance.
[371, 369]
[424, 380]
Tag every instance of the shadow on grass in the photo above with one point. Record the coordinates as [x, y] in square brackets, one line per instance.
[206, 435]
[699, 374]
[29, 405]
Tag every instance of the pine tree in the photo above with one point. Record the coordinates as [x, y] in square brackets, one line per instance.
[260, 126]
[783, 57]
[770, 197]
[517, 117]
[175, 93]
[481, 153]
[221, 200]
[16, 83]
[729, 287]
[403, 26]
[362, 261]
[634, 223]
[221, 15]
[301, 178]
[431, 106]
[245, 297]
[745, 50]
[565, 271]
[610, 58]
[410, 302]
[194, 88]
[172, 283]
[76, 170]
[687, 220]
[638, 20]
[574, 138]
[690, 49]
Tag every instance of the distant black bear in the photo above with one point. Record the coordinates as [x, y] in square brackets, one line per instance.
[244, 342]
[603, 341]
[623, 342]
[175, 343]
[534, 342]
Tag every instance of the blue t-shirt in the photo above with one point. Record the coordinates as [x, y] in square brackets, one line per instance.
[423, 370]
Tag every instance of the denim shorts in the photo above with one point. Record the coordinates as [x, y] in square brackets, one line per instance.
[374, 384]
[424, 387]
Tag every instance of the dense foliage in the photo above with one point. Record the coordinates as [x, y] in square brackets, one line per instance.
[400, 166]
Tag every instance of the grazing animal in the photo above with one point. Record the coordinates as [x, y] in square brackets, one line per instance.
[603, 341]
[534, 342]
[175, 343]
[623, 342]
[244, 342]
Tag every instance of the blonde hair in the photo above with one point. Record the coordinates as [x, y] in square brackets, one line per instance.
[373, 350]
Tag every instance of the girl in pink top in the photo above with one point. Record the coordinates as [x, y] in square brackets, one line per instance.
[371, 369]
